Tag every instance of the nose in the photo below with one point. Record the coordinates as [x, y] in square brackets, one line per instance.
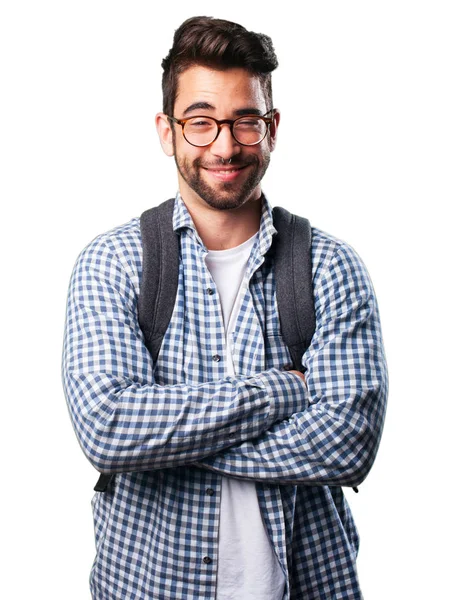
[225, 146]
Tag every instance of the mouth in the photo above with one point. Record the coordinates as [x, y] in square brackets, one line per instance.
[226, 173]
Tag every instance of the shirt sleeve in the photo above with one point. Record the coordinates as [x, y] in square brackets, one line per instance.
[123, 420]
[333, 440]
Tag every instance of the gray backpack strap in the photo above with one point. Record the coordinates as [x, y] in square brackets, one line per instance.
[158, 285]
[293, 282]
[159, 281]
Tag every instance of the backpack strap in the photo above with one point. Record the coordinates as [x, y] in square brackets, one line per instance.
[159, 281]
[293, 282]
[158, 285]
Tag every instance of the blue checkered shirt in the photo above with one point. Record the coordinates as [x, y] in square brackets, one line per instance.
[170, 431]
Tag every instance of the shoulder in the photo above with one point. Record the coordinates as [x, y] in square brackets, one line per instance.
[336, 264]
[118, 249]
[125, 237]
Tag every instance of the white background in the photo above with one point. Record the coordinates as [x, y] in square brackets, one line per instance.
[363, 152]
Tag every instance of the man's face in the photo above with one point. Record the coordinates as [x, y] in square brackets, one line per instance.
[223, 95]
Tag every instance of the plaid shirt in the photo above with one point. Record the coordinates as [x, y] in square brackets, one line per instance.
[170, 431]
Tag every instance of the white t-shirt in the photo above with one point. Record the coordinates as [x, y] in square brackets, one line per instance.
[248, 568]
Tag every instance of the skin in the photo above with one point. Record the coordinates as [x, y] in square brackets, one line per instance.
[225, 213]
[299, 374]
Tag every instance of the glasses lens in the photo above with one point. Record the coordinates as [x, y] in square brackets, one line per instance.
[200, 131]
[249, 130]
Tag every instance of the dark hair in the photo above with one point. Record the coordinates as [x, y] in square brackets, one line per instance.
[221, 45]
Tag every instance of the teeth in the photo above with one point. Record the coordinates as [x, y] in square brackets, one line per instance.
[227, 171]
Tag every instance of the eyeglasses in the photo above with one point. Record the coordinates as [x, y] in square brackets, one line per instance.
[202, 131]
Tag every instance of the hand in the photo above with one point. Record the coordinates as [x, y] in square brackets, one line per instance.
[300, 375]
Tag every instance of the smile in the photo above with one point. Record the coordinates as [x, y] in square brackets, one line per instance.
[225, 174]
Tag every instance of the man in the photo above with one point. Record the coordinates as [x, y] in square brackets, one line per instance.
[228, 463]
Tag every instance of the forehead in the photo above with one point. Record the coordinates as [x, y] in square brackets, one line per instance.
[230, 90]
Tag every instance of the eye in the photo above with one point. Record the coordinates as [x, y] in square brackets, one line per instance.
[249, 123]
[200, 123]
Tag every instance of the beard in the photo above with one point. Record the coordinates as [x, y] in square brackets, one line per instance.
[224, 195]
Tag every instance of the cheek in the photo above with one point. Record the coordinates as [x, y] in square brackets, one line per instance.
[197, 157]
[261, 155]
[191, 162]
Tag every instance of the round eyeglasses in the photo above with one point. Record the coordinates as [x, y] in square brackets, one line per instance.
[202, 131]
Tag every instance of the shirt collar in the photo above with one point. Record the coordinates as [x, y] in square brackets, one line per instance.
[182, 219]
[181, 215]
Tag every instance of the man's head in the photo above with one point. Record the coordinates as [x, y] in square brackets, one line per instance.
[218, 69]
[217, 44]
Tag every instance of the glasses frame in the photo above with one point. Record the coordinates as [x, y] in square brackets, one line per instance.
[267, 120]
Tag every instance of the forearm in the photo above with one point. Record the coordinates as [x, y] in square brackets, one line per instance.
[124, 426]
[319, 445]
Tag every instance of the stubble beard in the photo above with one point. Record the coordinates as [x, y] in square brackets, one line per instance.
[226, 195]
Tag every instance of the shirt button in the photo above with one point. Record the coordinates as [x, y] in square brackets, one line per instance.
[216, 358]
[207, 560]
[210, 291]
[210, 492]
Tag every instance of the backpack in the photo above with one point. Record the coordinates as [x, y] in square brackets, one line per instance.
[291, 249]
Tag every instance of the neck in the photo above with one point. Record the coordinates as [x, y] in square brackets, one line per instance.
[224, 229]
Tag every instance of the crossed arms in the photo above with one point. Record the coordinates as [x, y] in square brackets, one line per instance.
[269, 427]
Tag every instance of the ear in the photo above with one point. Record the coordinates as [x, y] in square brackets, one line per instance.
[165, 133]
[273, 130]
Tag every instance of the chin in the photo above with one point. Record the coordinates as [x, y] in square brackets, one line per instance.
[228, 203]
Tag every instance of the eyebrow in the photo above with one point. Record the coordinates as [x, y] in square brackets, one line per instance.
[206, 106]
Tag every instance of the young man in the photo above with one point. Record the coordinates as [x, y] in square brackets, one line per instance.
[228, 463]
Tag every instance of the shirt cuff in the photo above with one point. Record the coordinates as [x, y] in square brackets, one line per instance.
[286, 391]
